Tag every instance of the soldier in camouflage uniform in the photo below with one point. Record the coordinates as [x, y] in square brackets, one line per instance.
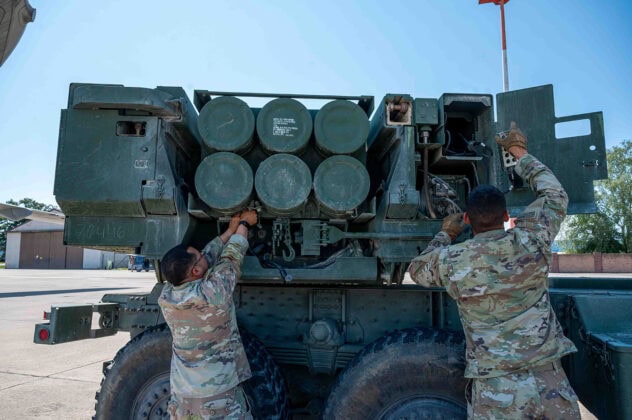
[499, 281]
[208, 361]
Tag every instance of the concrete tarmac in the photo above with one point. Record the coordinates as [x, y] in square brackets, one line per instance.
[60, 381]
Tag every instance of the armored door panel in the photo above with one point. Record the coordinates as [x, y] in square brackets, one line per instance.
[103, 161]
[577, 161]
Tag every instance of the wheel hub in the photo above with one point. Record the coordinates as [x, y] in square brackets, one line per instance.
[152, 400]
[422, 407]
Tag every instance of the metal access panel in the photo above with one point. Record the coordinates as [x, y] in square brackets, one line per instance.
[102, 161]
[576, 161]
[74, 322]
[601, 370]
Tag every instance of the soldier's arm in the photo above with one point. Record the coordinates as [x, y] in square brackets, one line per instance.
[213, 248]
[424, 269]
[220, 281]
[544, 216]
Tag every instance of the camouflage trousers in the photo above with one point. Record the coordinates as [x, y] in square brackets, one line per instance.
[542, 392]
[231, 404]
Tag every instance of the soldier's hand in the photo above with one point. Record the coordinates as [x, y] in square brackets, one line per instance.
[453, 225]
[234, 223]
[249, 216]
[514, 138]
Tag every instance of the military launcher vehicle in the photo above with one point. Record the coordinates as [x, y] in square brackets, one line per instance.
[348, 191]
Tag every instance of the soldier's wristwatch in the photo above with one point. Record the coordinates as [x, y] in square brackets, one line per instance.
[244, 223]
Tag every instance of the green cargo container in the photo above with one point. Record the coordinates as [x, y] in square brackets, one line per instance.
[227, 124]
[224, 182]
[284, 125]
[283, 183]
[340, 127]
[603, 365]
[341, 184]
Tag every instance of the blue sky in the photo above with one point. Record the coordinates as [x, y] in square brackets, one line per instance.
[345, 47]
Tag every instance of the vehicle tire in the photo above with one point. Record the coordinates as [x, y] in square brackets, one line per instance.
[412, 373]
[266, 389]
[136, 383]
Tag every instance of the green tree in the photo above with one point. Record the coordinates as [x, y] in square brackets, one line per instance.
[609, 230]
[6, 224]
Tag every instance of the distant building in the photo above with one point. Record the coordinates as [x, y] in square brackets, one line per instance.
[40, 245]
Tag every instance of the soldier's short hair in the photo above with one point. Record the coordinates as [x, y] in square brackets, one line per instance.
[486, 207]
[175, 264]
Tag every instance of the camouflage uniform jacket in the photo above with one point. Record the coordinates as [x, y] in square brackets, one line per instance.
[208, 356]
[499, 280]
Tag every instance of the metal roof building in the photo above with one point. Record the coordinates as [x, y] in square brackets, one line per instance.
[40, 245]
